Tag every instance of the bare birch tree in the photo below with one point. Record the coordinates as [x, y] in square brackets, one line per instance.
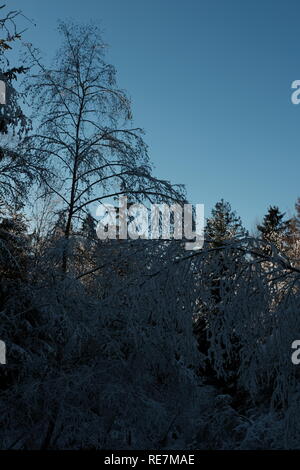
[85, 134]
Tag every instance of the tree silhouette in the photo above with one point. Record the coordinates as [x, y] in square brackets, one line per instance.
[85, 134]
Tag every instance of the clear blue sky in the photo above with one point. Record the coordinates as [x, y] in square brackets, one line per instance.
[210, 83]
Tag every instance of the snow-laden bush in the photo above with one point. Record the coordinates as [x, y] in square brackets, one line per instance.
[106, 357]
[116, 372]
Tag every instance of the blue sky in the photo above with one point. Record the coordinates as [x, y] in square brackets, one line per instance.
[210, 82]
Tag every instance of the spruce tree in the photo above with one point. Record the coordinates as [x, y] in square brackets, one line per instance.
[224, 224]
[297, 217]
[88, 227]
[274, 228]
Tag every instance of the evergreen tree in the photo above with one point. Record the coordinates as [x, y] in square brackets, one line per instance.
[292, 237]
[274, 228]
[297, 217]
[224, 224]
[16, 170]
[88, 227]
[14, 247]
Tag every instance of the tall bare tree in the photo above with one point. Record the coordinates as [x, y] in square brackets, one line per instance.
[85, 134]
